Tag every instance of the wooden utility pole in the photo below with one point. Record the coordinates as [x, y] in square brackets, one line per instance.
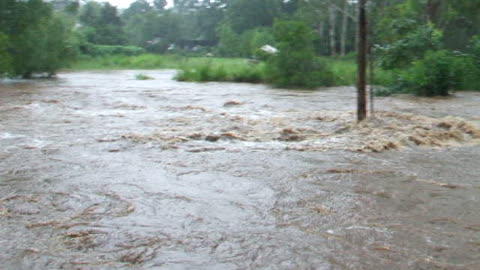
[371, 80]
[362, 61]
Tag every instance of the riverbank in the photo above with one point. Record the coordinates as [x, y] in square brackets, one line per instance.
[205, 69]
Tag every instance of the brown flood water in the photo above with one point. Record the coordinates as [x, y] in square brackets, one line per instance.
[102, 171]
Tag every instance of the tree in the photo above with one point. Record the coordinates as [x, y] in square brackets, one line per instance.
[331, 29]
[109, 28]
[229, 44]
[102, 24]
[139, 7]
[321, 13]
[295, 64]
[35, 39]
[243, 15]
[90, 14]
[344, 33]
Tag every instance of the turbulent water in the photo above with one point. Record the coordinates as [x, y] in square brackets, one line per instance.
[102, 171]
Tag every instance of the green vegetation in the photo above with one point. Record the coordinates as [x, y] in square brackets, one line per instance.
[295, 65]
[204, 69]
[143, 77]
[200, 69]
[411, 45]
[345, 72]
[230, 70]
[144, 61]
[5, 57]
[428, 47]
[421, 43]
[437, 73]
[433, 75]
[149, 61]
[33, 38]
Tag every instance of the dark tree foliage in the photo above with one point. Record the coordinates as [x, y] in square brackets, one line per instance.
[34, 39]
[295, 64]
[244, 15]
[102, 24]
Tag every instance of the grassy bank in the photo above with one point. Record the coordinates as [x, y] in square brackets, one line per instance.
[197, 69]
[117, 62]
[345, 71]
[203, 69]
[222, 70]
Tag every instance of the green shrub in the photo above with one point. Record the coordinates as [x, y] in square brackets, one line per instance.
[296, 65]
[409, 47]
[434, 75]
[466, 72]
[475, 48]
[345, 72]
[202, 72]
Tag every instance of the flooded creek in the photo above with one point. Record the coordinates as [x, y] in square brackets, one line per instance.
[102, 171]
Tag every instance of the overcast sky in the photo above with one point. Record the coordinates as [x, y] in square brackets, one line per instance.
[126, 3]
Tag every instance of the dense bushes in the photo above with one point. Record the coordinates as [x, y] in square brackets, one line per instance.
[34, 39]
[437, 73]
[431, 76]
[423, 67]
[295, 65]
[410, 45]
[466, 71]
[474, 49]
[5, 58]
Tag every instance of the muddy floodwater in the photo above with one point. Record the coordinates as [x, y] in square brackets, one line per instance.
[102, 171]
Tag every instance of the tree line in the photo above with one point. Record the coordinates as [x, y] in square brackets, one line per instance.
[33, 38]
[431, 45]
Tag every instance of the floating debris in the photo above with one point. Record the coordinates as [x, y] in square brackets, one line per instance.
[232, 103]
[321, 131]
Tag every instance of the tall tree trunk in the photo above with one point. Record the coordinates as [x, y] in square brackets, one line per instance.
[331, 30]
[357, 34]
[343, 41]
[362, 62]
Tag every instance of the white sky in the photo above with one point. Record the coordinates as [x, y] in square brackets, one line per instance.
[126, 3]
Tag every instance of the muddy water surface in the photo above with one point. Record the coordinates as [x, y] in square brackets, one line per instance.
[101, 171]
